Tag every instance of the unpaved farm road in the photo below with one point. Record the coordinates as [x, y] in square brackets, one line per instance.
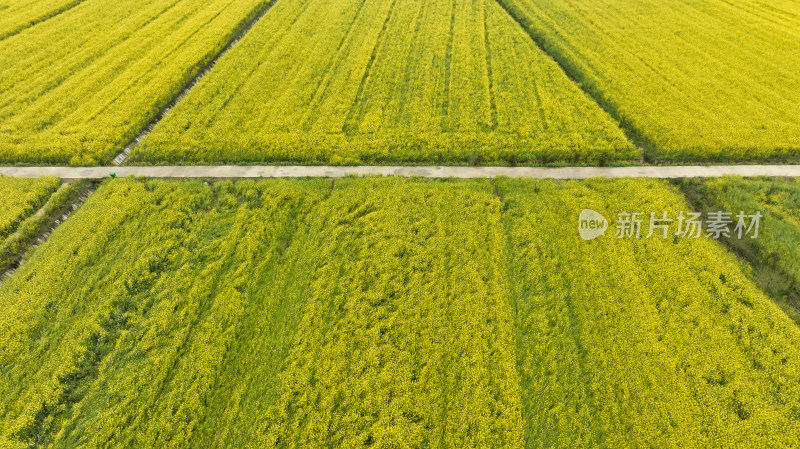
[268, 171]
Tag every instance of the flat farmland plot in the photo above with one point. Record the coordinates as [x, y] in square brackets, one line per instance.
[375, 81]
[30, 207]
[695, 80]
[16, 15]
[387, 312]
[77, 88]
[187, 315]
[115, 329]
[775, 253]
[648, 342]
[20, 197]
[406, 338]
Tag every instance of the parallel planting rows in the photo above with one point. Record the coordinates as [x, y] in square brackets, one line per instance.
[354, 81]
[17, 15]
[774, 255]
[500, 82]
[648, 342]
[387, 312]
[21, 197]
[709, 80]
[21, 238]
[78, 87]
[206, 316]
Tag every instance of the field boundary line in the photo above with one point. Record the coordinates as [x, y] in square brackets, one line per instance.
[123, 156]
[576, 75]
[281, 171]
[22, 249]
[42, 18]
[354, 113]
[489, 73]
[8, 272]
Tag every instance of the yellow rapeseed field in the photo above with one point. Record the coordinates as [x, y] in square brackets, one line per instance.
[20, 197]
[78, 87]
[691, 80]
[386, 81]
[648, 342]
[388, 312]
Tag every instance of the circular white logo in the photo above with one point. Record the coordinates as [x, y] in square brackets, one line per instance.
[591, 224]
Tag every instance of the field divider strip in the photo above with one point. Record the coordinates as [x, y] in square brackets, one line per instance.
[354, 113]
[490, 74]
[636, 136]
[42, 18]
[123, 156]
[287, 171]
[38, 227]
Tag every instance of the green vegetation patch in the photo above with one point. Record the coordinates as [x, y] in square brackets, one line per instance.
[648, 342]
[775, 254]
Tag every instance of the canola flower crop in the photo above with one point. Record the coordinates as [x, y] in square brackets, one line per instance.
[349, 81]
[16, 245]
[17, 15]
[114, 330]
[21, 197]
[708, 80]
[406, 337]
[387, 312]
[77, 88]
[169, 314]
[774, 254]
[641, 342]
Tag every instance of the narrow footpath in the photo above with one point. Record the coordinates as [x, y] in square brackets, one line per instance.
[267, 171]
